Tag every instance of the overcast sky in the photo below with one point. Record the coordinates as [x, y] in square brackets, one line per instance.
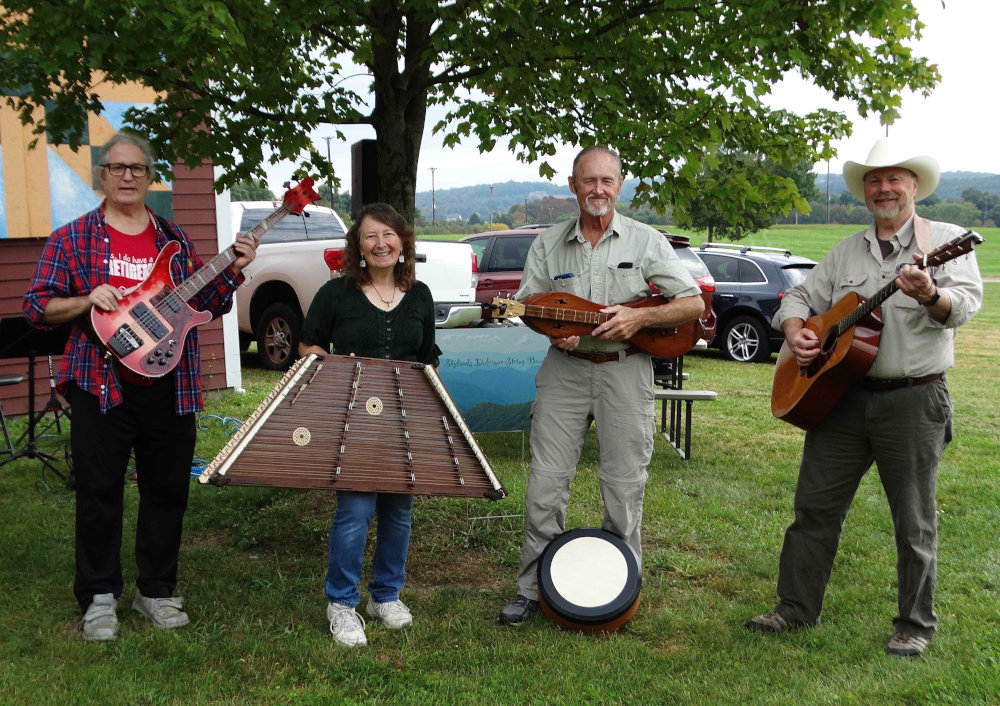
[957, 124]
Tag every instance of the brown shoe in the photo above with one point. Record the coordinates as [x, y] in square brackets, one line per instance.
[904, 644]
[768, 622]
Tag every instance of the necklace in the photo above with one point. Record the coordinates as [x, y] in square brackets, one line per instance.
[387, 302]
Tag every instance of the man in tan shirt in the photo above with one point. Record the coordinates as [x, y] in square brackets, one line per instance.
[609, 259]
[899, 417]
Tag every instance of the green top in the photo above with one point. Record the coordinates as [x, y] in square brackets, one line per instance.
[342, 317]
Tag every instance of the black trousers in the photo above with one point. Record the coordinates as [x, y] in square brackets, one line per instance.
[163, 443]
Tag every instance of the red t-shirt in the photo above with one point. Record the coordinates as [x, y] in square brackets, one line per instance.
[132, 258]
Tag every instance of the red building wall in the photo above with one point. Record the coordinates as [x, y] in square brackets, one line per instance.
[193, 210]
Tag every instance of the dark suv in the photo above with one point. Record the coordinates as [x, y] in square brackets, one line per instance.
[749, 284]
[501, 256]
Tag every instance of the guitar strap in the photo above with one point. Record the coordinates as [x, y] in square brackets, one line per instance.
[172, 234]
[922, 233]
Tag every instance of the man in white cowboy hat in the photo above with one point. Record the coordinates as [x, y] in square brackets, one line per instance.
[899, 416]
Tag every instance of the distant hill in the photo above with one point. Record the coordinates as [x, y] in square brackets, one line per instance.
[464, 201]
[950, 188]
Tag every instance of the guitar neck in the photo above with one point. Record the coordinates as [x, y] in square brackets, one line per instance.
[558, 313]
[211, 269]
[866, 307]
[949, 251]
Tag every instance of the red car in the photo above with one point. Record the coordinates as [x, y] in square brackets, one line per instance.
[501, 256]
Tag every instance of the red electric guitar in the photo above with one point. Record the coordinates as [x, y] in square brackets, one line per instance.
[849, 336]
[148, 329]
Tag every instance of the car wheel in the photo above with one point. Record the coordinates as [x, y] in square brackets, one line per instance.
[278, 331]
[745, 340]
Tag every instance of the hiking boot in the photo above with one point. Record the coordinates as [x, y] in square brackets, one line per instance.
[517, 611]
[768, 622]
[905, 644]
[162, 612]
[100, 622]
[394, 614]
[346, 626]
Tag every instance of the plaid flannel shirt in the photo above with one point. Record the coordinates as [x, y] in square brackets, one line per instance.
[74, 263]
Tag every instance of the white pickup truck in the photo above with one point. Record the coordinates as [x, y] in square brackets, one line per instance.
[294, 260]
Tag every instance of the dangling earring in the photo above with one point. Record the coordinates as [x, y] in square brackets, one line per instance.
[364, 263]
[401, 258]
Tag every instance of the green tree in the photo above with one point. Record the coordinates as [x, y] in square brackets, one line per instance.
[475, 218]
[339, 201]
[251, 191]
[667, 82]
[737, 195]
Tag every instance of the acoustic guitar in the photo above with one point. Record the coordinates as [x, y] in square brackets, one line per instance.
[148, 329]
[563, 315]
[849, 336]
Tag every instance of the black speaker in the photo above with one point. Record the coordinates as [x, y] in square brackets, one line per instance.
[364, 175]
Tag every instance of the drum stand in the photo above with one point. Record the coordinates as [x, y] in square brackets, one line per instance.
[22, 341]
[30, 448]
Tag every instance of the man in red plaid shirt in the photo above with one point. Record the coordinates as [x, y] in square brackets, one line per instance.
[89, 263]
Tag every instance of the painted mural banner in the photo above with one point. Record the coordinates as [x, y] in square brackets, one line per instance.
[490, 374]
[44, 186]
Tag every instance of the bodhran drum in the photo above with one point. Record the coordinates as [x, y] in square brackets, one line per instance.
[589, 580]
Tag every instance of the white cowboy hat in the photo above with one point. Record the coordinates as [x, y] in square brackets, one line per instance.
[886, 154]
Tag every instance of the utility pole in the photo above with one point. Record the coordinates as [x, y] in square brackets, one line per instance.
[526, 212]
[330, 160]
[491, 208]
[828, 192]
[433, 203]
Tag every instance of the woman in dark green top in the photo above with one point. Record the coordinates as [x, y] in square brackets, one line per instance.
[375, 309]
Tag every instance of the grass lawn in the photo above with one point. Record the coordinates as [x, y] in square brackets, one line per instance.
[253, 561]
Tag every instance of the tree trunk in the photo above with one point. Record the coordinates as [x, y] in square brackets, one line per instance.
[400, 102]
[398, 132]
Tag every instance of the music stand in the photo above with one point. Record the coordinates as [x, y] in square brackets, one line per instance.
[19, 340]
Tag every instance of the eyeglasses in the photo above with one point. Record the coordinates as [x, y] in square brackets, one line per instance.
[116, 169]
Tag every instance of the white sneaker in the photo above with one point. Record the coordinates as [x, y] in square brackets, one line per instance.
[164, 613]
[100, 622]
[346, 626]
[394, 614]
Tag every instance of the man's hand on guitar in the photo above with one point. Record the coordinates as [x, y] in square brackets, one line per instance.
[622, 325]
[246, 249]
[105, 297]
[565, 344]
[915, 282]
[803, 342]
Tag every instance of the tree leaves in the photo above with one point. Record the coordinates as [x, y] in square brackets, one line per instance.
[669, 83]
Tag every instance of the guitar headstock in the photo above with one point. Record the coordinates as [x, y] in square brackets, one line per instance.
[505, 308]
[959, 246]
[300, 196]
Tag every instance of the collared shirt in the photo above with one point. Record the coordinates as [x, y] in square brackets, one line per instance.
[75, 261]
[628, 256]
[912, 342]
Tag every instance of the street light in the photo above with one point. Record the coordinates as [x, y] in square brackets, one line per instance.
[491, 208]
[433, 203]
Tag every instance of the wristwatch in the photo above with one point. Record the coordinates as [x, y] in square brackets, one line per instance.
[933, 300]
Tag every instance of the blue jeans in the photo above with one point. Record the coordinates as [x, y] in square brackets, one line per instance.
[348, 534]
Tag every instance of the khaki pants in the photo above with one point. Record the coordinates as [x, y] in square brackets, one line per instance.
[572, 393]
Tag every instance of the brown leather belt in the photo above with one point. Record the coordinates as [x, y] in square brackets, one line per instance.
[883, 385]
[599, 358]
